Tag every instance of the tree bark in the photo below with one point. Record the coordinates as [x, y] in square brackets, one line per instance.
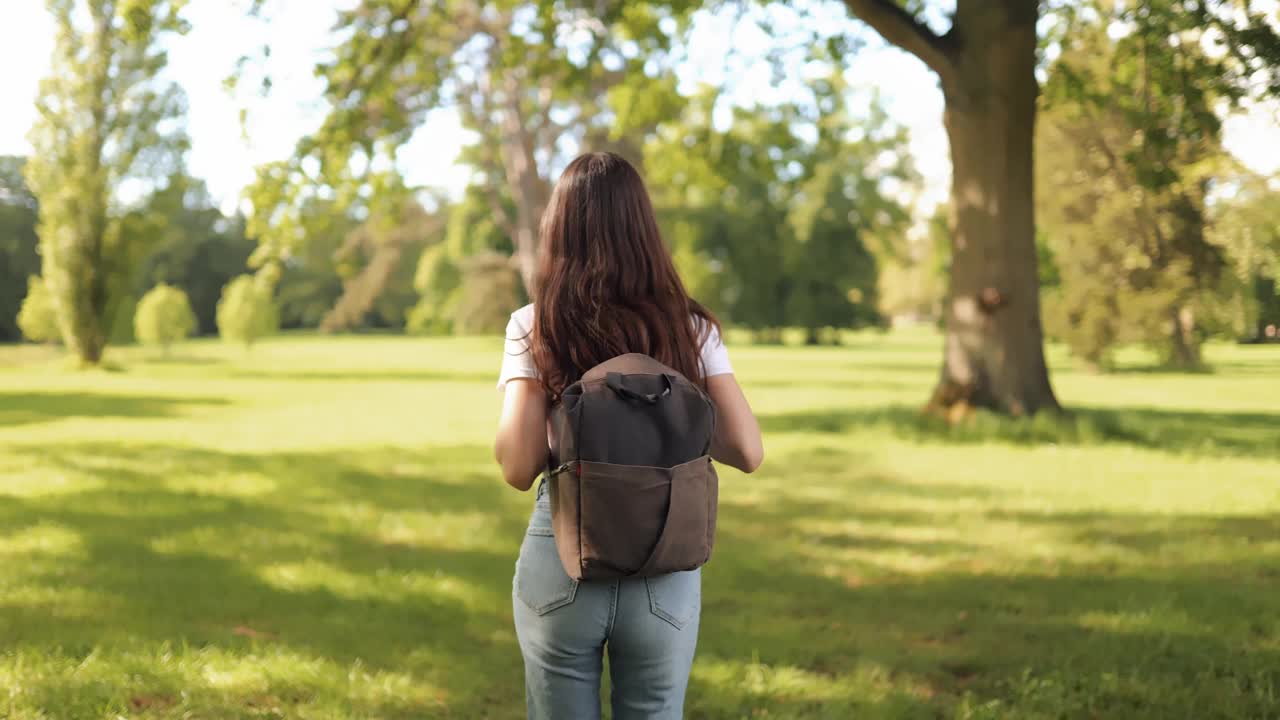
[529, 189]
[1185, 346]
[994, 352]
[83, 270]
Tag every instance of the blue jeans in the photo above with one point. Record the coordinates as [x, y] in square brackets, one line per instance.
[649, 626]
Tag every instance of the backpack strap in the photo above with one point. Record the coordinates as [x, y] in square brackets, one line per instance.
[715, 418]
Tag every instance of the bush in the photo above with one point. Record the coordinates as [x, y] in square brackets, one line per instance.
[37, 319]
[163, 317]
[246, 311]
[436, 280]
[490, 291]
[470, 296]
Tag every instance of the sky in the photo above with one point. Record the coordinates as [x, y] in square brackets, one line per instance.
[225, 154]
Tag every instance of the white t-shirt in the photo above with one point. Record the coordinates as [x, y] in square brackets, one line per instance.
[517, 361]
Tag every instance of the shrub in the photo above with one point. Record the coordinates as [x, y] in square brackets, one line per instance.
[246, 311]
[163, 317]
[37, 319]
[490, 291]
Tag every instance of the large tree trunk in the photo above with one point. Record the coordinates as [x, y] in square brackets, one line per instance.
[994, 356]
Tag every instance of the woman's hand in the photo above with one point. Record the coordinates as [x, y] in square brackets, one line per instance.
[737, 442]
[521, 445]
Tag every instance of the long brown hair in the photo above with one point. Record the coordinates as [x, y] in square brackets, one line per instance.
[606, 284]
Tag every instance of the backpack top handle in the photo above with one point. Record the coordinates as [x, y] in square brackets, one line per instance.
[618, 383]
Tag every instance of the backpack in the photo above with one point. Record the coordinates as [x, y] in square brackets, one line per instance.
[634, 493]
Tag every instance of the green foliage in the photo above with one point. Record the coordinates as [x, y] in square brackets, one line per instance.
[309, 281]
[378, 259]
[718, 196]
[1127, 141]
[472, 295]
[195, 247]
[37, 319]
[489, 292]
[778, 220]
[839, 208]
[247, 312]
[437, 280]
[19, 258]
[913, 282]
[105, 117]
[163, 317]
[1245, 223]
[462, 282]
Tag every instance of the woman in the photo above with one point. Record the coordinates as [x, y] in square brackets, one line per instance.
[606, 286]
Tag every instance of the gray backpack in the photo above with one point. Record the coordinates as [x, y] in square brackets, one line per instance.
[634, 492]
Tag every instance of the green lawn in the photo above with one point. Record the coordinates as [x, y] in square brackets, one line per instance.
[315, 530]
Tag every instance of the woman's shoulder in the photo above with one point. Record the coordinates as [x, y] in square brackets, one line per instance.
[522, 320]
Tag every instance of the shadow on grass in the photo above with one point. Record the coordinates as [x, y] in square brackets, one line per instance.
[882, 385]
[178, 359]
[1130, 615]
[1174, 431]
[27, 408]
[911, 365]
[330, 557]
[365, 376]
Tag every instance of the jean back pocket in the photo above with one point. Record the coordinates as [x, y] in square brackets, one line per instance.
[541, 582]
[675, 597]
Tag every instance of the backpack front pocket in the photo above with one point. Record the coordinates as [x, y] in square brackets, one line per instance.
[635, 520]
[541, 582]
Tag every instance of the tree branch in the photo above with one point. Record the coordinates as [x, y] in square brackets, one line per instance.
[479, 111]
[901, 28]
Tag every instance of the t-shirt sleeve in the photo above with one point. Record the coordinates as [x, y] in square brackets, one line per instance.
[715, 357]
[517, 360]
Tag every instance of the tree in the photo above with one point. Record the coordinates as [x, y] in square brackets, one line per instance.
[37, 319]
[163, 317]
[720, 197]
[771, 220]
[373, 261]
[528, 77]
[104, 118]
[455, 274]
[309, 282]
[436, 279]
[986, 65]
[489, 291]
[246, 311]
[19, 258]
[994, 354]
[840, 207]
[1245, 223]
[1125, 142]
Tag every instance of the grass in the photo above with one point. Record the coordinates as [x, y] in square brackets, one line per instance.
[315, 530]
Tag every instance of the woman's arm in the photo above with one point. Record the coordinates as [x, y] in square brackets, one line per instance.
[521, 446]
[737, 442]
